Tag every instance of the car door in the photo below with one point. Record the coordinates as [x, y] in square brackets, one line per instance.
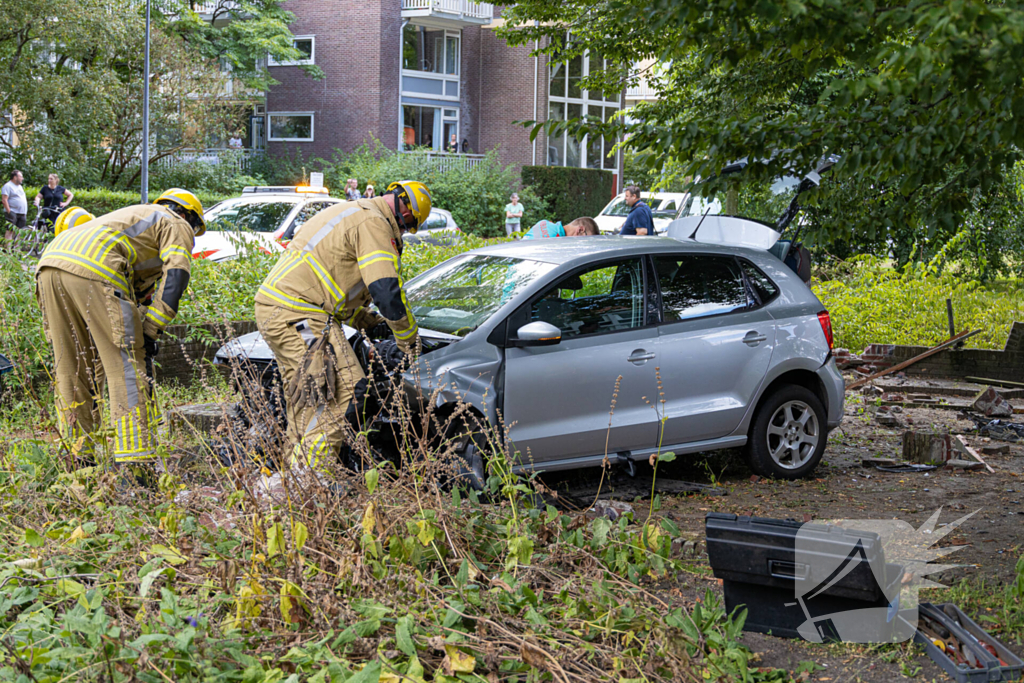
[714, 345]
[305, 212]
[592, 392]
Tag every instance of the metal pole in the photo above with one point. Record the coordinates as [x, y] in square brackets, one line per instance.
[145, 117]
[401, 66]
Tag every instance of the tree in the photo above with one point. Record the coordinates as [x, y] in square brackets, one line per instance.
[73, 79]
[921, 101]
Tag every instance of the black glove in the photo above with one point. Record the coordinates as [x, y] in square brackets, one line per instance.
[390, 355]
[380, 331]
[152, 346]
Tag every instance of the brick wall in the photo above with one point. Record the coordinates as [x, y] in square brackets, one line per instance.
[953, 364]
[357, 49]
[185, 361]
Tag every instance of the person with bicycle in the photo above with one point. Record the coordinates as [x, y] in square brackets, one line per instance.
[54, 197]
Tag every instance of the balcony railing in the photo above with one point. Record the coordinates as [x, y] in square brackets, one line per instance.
[445, 161]
[239, 159]
[642, 91]
[453, 8]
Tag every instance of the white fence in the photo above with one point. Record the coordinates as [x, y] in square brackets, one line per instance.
[237, 158]
[476, 10]
[642, 91]
[444, 161]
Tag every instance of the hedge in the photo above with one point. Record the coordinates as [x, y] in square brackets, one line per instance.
[99, 202]
[570, 192]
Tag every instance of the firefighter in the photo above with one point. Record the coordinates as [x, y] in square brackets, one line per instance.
[339, 261]
[92, 282]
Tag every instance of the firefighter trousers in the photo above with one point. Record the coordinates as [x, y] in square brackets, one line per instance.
[96, 330]
[315, 432]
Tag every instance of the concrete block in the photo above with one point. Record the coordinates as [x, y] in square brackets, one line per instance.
[990, 403]
[927, 447]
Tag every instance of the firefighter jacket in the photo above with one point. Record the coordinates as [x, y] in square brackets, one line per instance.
[338, 261]
[134, 249]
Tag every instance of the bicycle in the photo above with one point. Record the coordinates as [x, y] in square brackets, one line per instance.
[33, 238]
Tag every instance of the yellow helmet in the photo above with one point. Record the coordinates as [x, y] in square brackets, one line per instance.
[417, 197]
[71, 217]
[186, 200]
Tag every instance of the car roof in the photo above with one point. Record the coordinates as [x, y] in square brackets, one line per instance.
[278, 196]
[562, 250]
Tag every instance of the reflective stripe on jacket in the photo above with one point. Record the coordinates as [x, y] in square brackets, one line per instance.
[132, 249]
[338, 261]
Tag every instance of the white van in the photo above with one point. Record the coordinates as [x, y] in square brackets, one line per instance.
[666, 207]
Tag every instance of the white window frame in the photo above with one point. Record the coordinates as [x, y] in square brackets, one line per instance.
[586, 102]
[441, 109]
[298, 62]
[312, 125]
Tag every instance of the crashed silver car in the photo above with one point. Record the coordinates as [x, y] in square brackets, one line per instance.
[620, 347]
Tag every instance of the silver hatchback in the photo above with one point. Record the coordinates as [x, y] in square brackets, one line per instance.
[586, 348]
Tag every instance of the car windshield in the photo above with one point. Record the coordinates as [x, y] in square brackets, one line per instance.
[459, 295]
[248, 214]
[661, 207]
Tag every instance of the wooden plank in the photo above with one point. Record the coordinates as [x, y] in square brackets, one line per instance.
[974, 454]
[996, 382]
[907, 363]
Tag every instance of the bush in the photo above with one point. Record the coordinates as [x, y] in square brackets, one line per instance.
[99, 202]
[476, 196]
[569, 193]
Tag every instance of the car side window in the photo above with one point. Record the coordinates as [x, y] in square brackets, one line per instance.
[764, 289]
[607, 298]
[305, 213]
[435, 220]
[694, 286]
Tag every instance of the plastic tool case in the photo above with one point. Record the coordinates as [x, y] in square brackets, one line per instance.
[997, 664]
[756, 560]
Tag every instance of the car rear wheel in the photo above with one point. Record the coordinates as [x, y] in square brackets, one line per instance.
[788, 436]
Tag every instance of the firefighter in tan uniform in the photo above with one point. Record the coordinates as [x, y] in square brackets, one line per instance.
[338, 261]
[91, 283]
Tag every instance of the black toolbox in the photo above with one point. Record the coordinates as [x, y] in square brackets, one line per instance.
[756, 560]
[986, 665]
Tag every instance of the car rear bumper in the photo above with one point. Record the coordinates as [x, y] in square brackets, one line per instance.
[835, 391]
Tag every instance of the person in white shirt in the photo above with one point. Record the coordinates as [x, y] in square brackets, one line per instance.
[15, 204]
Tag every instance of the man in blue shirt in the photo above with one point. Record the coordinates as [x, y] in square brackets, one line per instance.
[640, 220]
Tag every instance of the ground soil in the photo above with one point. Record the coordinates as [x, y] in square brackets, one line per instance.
[992, 539]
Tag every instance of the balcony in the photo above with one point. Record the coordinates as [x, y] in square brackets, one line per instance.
[453, 14]
[238, 159]
[217, 11]
[641, 91]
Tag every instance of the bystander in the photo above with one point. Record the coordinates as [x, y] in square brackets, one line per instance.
[15, 204]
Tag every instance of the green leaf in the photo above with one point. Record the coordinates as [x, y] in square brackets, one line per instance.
[33, 538]
[169, 554]
[371, 477]
[403, 636]
[275, 539]
[149, 578]
[369, 674]
[299, 534]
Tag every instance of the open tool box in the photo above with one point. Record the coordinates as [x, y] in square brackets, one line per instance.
[962, 648]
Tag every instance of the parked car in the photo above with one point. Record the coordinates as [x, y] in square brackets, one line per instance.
[666, 207]
[439, 228]
[264, 218]
[705, 347]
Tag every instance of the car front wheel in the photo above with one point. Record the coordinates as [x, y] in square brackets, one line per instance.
[788, 436]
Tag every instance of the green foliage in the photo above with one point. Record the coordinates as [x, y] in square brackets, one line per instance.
[921, 102]
[99, 201]
[871, 302]
[569, 193]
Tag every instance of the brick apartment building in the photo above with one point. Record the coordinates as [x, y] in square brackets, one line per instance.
[417, 73]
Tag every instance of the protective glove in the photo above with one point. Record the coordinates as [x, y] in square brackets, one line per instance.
[380, 331]
[317, 378]
[151, 346]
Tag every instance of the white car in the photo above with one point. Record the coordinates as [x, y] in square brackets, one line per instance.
[666, 207]
[440, 228]
[264, 218]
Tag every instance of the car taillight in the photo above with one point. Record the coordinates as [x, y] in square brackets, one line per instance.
[204, 254]
[826, 327]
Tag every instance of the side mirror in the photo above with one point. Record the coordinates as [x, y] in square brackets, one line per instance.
[537, 333]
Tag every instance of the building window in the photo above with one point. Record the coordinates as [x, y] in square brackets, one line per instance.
[430, 50]
[431, 127]
[304, 44]
[291, 127]
[567, 100]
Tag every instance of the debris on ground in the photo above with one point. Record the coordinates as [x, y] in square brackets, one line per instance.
[958, 464]
[990, 403]
[1001, 449]
[927, 447]
[999, 429]
[906, 468]
[963, 446]
[877, 462]
[612, 509]
[907, 363]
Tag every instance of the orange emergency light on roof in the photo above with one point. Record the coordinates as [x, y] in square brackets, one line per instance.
[311, 189]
